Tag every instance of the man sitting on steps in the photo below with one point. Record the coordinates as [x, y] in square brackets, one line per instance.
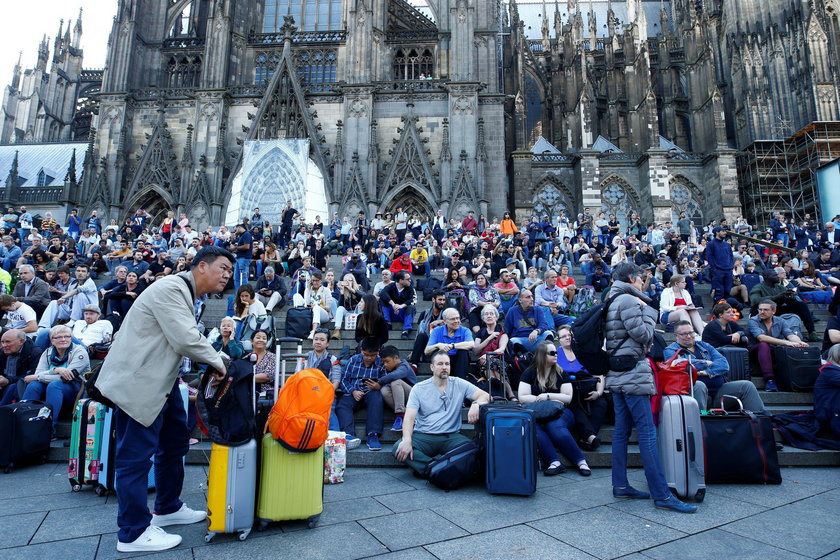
[432, 424]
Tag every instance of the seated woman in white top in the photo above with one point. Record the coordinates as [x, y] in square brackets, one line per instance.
[675, 305]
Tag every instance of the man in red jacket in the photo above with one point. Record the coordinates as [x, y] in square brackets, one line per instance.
[403, 262]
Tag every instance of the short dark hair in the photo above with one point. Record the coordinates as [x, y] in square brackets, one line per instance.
[210, 254]
[437, 293]
[625, 272]
[679, 324]
[321, 330]
[400, 275]
[720, 309]
[369, 344]
[82, 265]
[265, 332]
[389, 351]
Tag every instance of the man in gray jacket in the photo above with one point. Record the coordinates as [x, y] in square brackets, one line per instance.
[629, 333]
[31, 290]
[140, 375]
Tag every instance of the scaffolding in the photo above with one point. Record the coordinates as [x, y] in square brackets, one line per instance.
[780, 175]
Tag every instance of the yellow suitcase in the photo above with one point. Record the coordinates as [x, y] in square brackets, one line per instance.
[291, 484]
[231, 490]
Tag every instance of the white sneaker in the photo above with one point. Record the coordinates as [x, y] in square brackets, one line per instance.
[183, 516]
[153, 539]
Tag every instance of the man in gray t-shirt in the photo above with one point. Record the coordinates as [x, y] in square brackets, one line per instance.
[432, 423]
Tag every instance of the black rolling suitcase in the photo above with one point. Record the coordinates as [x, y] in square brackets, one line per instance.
[25, 433]
[739, 363]
[796, 369]
[507, 435]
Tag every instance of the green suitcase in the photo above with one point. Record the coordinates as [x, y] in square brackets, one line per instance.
[291, 484]
[86, 438]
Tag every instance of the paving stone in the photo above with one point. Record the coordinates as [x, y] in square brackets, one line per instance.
[486, 512]
[606, 532]
[64, 500]
[417, 553]
[804, 527]
[64, 524]
[697, 547]
[19, 529]
[585, 493]
[352, 510]
[428, 497]
[712, 512]
[52, 479]
[59, 550]
[393, 531]
[364, 484]
[770, 495]
[192, 536]
[519, 542]
[826, 477]
[338, 542]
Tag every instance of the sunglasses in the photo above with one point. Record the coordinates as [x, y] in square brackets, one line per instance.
[552, 352]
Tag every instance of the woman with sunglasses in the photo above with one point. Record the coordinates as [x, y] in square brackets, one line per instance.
[588, 403]
[544, 381]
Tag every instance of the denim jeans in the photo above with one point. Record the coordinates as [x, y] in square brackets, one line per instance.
[374, 419]
[556, 320]
[55, 394]
[635, 410]
[555, 435]
[527, 344]
[406, 315]
[167, 439]
[240, 271]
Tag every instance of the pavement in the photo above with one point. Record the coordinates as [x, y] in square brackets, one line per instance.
[387, 513]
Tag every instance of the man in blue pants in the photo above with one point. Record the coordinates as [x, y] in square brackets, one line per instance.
[243, 249]
[721, 262]
[141, 379]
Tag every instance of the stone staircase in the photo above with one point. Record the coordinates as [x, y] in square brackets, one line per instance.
[779, 402]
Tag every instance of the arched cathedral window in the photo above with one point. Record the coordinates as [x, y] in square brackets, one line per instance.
[533, 110]
[310, 15]
[616, 200]
[413, 64]
[549, 201]
[683, 200]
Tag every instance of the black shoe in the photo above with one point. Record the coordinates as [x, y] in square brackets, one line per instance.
[553, 471]
[405, 335]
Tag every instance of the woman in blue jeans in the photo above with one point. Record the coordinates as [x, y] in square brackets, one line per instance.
[543, 382]
[58, 377]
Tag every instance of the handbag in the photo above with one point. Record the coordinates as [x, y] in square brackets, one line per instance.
[676, 376]
[455, 468]
[581, 388]
[740, 447]
[546, 411]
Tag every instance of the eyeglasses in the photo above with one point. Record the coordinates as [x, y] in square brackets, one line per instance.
[685, 334]
[552, 352]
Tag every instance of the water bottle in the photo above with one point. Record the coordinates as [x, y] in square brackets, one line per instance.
[186, 365]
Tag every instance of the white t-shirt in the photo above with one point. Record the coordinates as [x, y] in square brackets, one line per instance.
[18, 318]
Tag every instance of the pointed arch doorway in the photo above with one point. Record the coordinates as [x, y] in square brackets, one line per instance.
[412, 201]
[154, 202]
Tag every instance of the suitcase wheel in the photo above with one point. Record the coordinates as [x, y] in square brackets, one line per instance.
[700, 495]
[77, 487]
[209, 536]
[262, 524]
[313, 521]
[101, 491]
[244, 534]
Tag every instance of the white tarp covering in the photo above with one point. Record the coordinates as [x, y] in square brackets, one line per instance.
[273, 172]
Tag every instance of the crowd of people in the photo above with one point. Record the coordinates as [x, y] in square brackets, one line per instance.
[499, 292]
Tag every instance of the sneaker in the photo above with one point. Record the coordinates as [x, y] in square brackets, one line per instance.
[673, 504]
[373, 442]
[405, 335]
[153, 539]
[184, 516]
[398, 424]
[352, 442]
[814, 337]
[630, 492]
[771, 386]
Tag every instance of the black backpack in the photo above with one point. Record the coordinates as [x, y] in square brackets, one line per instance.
[431, 285]
[588, 336]
[456, 468]
[227, 414]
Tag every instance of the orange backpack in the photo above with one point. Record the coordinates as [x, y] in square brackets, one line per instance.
[300, 418]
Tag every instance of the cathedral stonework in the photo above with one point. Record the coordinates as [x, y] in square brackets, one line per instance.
[627, 106]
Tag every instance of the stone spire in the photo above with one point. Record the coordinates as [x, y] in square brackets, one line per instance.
[43, 53]
[15, 84]
[546, 40]
[77, 32]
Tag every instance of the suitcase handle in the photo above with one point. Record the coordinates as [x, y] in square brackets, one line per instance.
[736, 399]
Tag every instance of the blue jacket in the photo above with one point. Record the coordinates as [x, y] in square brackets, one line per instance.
[702, 352]
[519, 324]
[827, 398]
[719, 255]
